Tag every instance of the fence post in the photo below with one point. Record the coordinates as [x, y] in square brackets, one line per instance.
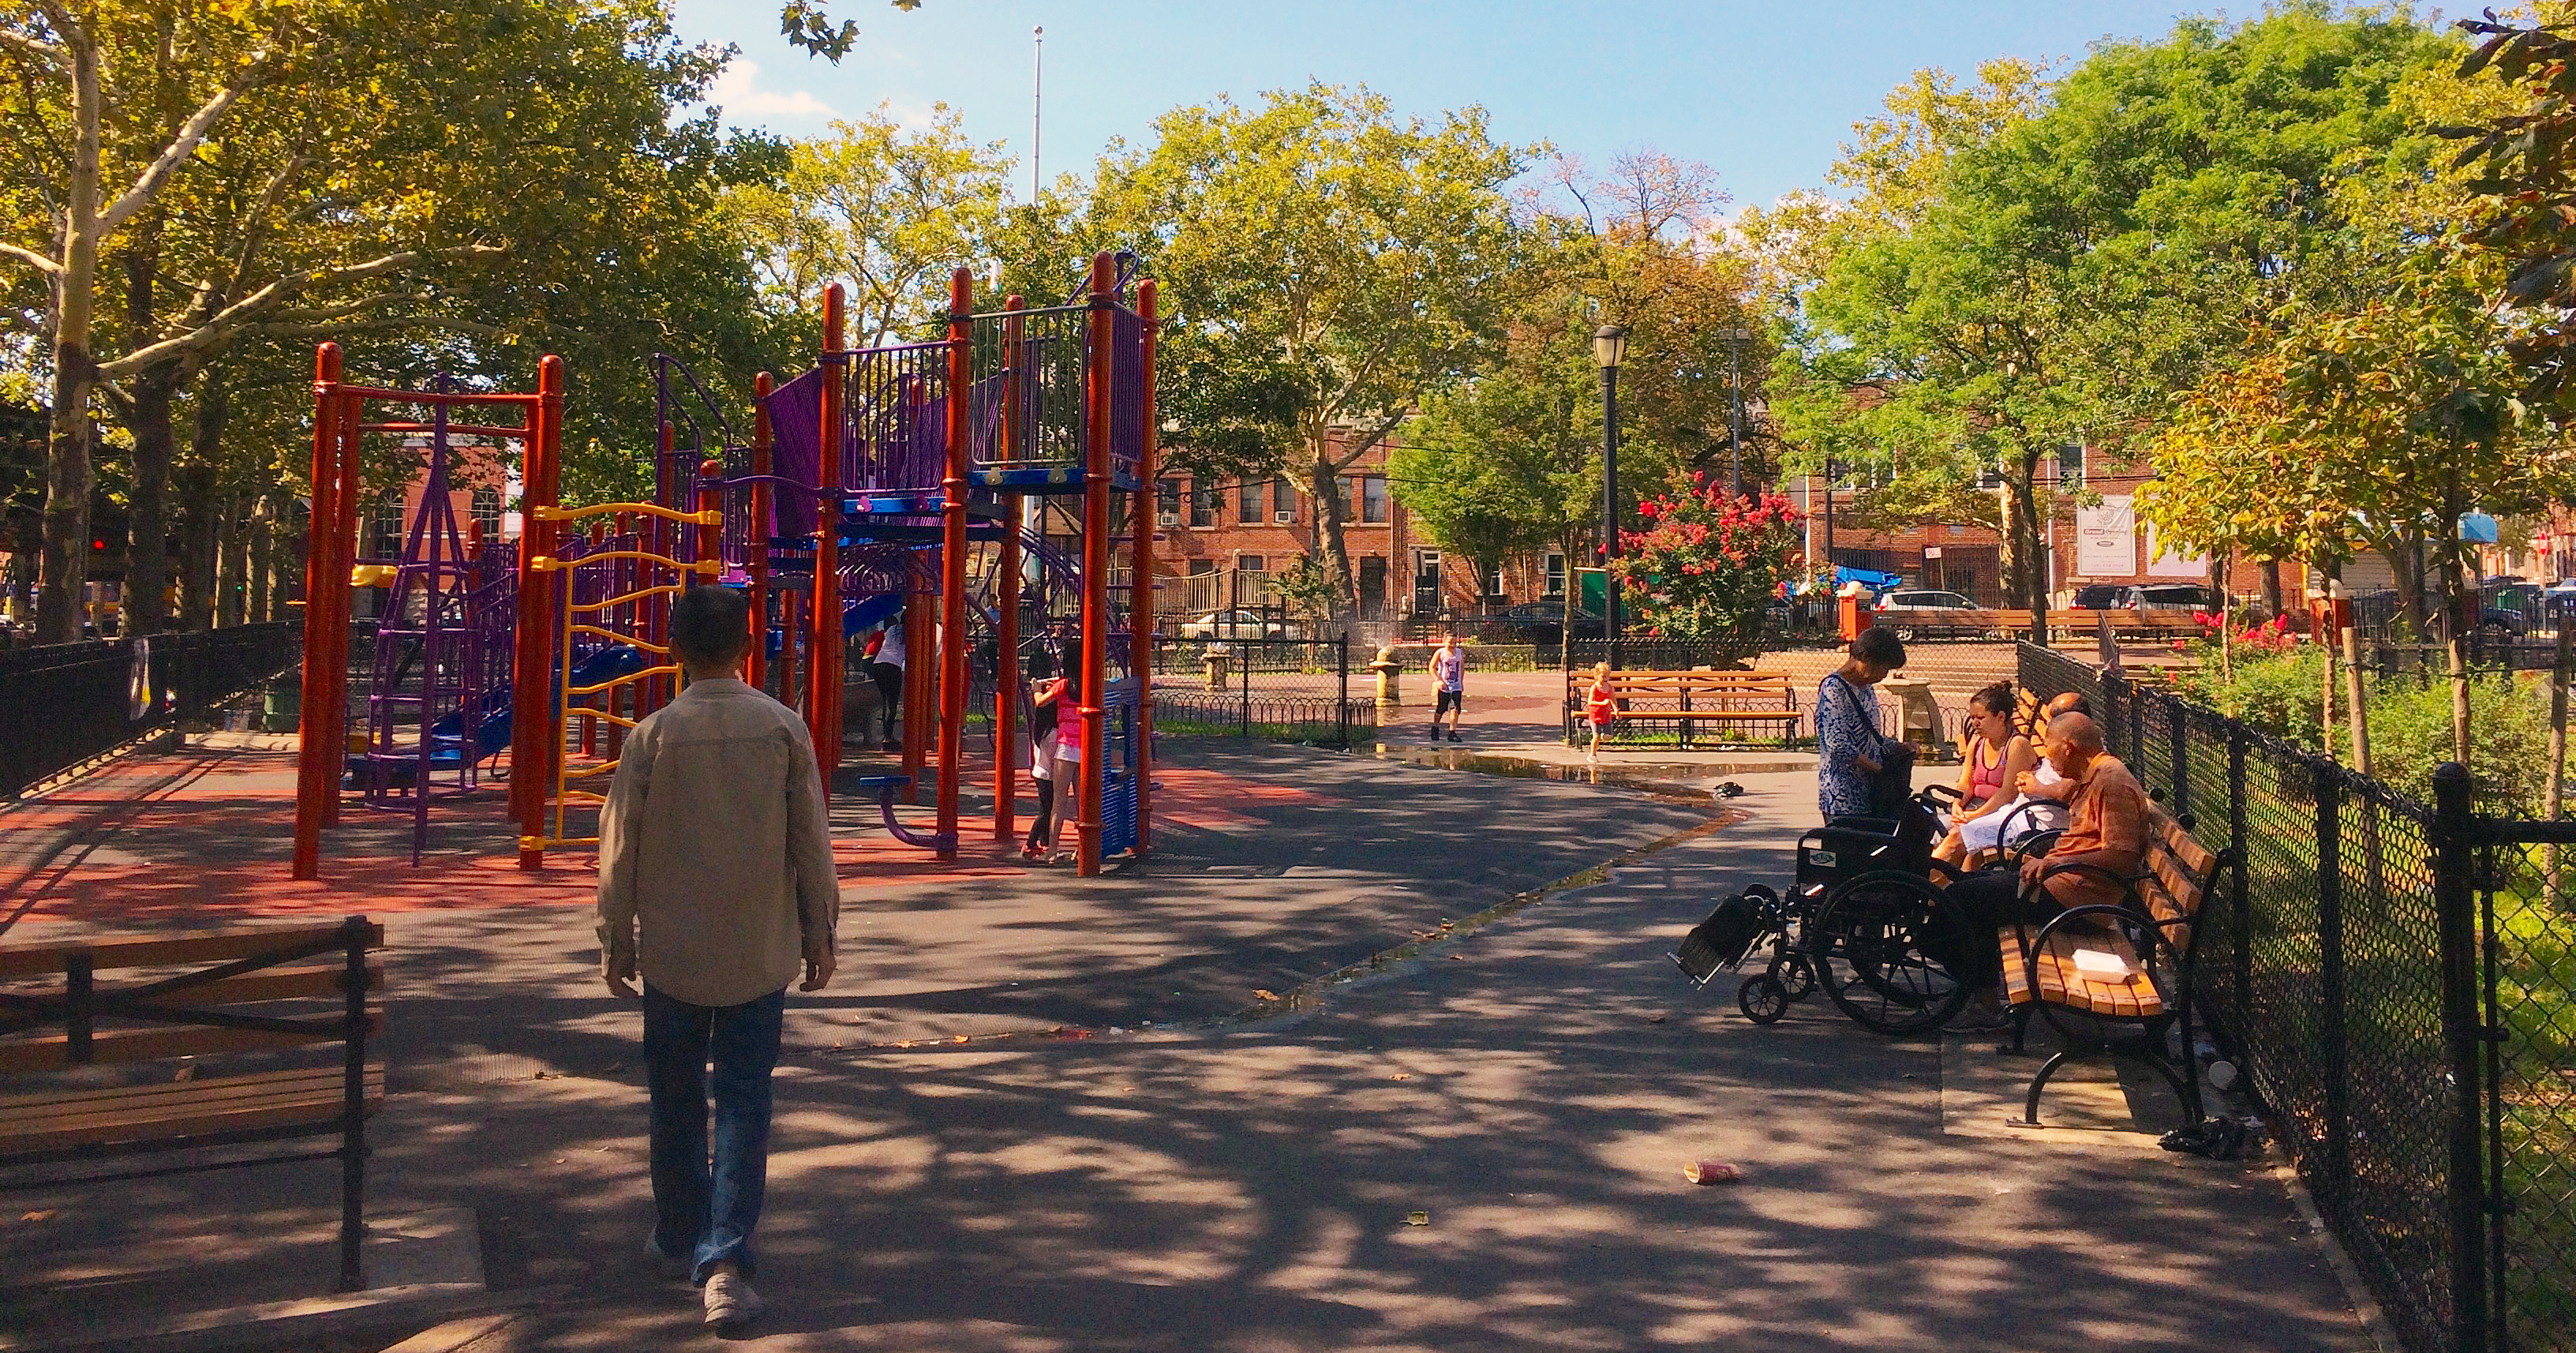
[2330, 974]
[2455, 903]
[1342, 702]
[2241, 1026]
[2181, 756]
[1245, 671]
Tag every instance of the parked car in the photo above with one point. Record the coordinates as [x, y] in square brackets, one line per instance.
[1539, 622]
[2101, 597]
[1921, 600]
[2169, 597]
[1240, 624]
[2497, 620]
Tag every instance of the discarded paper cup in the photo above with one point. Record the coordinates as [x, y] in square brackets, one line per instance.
[1711, 1172]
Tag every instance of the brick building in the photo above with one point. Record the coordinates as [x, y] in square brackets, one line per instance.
[1217, 528]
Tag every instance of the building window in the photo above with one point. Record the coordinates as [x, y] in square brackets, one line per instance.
[1200, 568]
[1167, 502]
[1251, 563]
[1283, 502]
[1373, 498]
[388, 526]
[1555, 575]
[1202, 503]
[487, 512]
[1247, 502]
[1494, 586]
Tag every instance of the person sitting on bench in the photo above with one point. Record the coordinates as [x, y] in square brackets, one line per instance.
[2106, 830]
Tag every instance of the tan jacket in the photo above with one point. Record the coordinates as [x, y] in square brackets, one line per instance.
[714, 845]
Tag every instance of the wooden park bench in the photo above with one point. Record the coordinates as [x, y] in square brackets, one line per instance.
[1739, 699]
[2151, 934]
[2071, 628]
[211, 995]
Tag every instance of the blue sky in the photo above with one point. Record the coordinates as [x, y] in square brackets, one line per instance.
[1762, 92]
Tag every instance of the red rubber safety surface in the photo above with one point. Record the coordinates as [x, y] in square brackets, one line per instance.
[203, 837]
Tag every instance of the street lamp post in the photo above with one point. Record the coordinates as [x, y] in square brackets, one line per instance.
[1609, 342]
[1735, 341]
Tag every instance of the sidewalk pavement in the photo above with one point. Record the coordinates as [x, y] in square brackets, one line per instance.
[1478, 1148]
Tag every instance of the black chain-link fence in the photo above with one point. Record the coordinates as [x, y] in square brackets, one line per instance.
[2423, 1078]
[65, 704]
[1278, 690]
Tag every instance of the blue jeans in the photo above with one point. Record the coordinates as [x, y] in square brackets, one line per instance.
[712, 1210]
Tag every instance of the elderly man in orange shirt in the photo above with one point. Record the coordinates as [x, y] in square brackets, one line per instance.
[2105, 834]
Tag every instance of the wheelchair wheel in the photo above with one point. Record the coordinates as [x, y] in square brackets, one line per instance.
[1874, 951]
[1762, 999]
[1797, 977]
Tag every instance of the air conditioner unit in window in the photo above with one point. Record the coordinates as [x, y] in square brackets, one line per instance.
[1288, 518]
[1167, 519]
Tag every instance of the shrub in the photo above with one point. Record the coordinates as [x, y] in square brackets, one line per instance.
[2410, 734]
[1711, 565]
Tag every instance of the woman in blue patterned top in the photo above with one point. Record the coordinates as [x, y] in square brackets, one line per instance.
[1847, 736]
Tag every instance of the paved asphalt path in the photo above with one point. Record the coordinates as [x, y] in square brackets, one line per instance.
[1477, 1149]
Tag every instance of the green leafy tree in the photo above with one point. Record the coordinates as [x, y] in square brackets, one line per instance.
[1325, 266]
[885, 209]
[2069, 263]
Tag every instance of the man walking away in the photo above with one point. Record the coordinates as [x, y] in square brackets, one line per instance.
[1449, 670]
[716, 879]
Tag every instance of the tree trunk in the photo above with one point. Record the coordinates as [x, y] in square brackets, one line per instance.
[147, 550]
[262, 528]
[1327, 488]
[205, 446]
[232, 560]
[197, 529]
[2028, 565]
[2274, 604]
[286, 557]
[2455, 649]
[64, 555]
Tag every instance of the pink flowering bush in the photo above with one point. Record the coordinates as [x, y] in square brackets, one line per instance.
[1710, 563]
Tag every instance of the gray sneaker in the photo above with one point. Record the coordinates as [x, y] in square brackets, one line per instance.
[730, 1300]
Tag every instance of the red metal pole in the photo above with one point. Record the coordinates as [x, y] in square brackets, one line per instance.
[755, 544]
[920, 647]
[344, 505]
[1006, 591]
[952, 567]
[315, 758]
[1095, 555]
[823, 661]
[532, 702]
[656, 610]
[1140, 590]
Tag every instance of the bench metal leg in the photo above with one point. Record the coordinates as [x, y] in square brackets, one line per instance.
[2030, 1106]
[2183, 1090]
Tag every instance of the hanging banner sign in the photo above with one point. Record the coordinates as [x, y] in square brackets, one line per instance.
[2163, 565]
[2106, 540]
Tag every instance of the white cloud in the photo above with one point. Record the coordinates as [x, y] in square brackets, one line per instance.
[738, 92]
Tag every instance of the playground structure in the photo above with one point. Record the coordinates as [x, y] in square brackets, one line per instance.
[888, 484]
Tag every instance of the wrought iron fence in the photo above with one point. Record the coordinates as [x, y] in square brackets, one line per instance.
[1279, 690]
[65, 704]
[2400, 980]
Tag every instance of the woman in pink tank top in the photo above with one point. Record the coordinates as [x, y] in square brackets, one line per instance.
[1996, 756]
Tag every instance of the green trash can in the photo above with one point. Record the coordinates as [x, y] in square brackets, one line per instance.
[283, 704]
